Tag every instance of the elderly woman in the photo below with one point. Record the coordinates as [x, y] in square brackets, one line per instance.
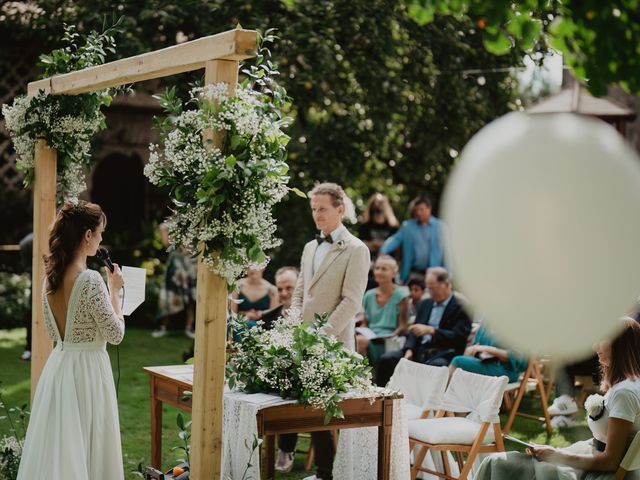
[385, 308]
[613, 420]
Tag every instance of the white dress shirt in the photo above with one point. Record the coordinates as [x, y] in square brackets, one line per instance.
[324, 247]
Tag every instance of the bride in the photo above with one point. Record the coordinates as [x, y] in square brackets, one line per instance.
[74, 431]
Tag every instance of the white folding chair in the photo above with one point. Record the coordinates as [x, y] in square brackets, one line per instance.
[631, 460]
[423, 387]
[478, 395]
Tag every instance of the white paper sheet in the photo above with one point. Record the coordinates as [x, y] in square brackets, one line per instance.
[134, 283]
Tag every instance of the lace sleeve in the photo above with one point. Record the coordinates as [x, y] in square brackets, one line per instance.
[110, 326]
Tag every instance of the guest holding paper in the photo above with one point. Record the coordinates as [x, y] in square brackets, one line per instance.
[613, 419]
[385, 309]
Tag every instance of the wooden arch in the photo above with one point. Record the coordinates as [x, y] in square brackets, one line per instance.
[219, 55]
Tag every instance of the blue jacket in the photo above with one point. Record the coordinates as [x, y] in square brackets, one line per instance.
[405, 238]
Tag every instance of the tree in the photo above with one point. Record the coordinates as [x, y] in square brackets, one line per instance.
[380, 102]
[599, 40]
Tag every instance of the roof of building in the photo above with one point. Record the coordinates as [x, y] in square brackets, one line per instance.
[577, 99]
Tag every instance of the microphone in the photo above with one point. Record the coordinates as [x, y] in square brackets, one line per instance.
[103, 255]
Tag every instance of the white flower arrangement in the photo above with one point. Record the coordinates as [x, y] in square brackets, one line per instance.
[223, 195]
[296, 360]
[67, 122]
[594, 405]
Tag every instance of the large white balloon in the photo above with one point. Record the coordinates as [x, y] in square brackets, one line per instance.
[544, 224]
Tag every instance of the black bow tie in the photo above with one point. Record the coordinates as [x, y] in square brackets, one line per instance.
[321, 239]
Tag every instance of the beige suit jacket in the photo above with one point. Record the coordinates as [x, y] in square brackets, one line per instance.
[336, 288]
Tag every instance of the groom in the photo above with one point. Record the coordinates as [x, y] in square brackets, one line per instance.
[333, 278]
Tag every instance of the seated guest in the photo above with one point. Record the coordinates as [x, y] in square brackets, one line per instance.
[485, 357]
[255, 295]
[439, 333]
[421, 240]
[416, 293]
[286, 278]
[385, 308]
[613, 423]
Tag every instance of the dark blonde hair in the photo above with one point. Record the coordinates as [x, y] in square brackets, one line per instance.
[625, 356]
[338, 197]
[69, 227]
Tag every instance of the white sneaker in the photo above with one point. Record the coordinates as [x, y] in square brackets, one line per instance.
[562, 421]
[284, 462]
[563, 405]
[312, 477]
[161, 332]
[26, 356]
[190, 333]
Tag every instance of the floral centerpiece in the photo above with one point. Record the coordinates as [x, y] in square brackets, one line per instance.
[295, 360]
[67, 122]
[223, 194]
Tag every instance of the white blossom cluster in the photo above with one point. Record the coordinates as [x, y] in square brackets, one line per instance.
[70, 135]
[296, 360]
[239, 182]
[13, 444]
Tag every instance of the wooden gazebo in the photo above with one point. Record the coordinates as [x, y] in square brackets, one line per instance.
[219, 56]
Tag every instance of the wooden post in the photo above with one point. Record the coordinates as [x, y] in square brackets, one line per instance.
[211, 328]
[44, 211]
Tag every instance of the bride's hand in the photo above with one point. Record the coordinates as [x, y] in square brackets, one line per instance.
[115, 279]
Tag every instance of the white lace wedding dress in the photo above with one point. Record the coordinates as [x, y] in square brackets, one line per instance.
[73, 432]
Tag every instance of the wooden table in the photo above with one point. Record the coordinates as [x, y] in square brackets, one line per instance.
[168, 384]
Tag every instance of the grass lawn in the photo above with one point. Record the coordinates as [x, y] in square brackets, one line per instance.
[138, 349]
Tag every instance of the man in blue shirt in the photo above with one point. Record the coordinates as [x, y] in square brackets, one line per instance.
[421, 239]
[439, 333]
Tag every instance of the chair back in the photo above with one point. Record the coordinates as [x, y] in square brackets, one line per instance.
[422, 385]
[631, 460]
[480, 395]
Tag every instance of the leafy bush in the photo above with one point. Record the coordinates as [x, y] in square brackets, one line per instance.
[15, 299]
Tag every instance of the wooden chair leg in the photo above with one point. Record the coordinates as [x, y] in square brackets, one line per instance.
[543, 399]
[445, 462]
[418, 462]
[460, 461]
[473, 452]
[497, 435]
[518, 399]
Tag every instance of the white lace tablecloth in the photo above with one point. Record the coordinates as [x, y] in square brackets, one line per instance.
[356, 456]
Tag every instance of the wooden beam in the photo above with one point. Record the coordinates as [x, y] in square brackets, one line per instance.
[232, 45]
[211, 332]
[44, 211]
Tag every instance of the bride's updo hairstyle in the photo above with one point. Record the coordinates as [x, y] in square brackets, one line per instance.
[625, 356]
[67, 233]
[338, 197]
